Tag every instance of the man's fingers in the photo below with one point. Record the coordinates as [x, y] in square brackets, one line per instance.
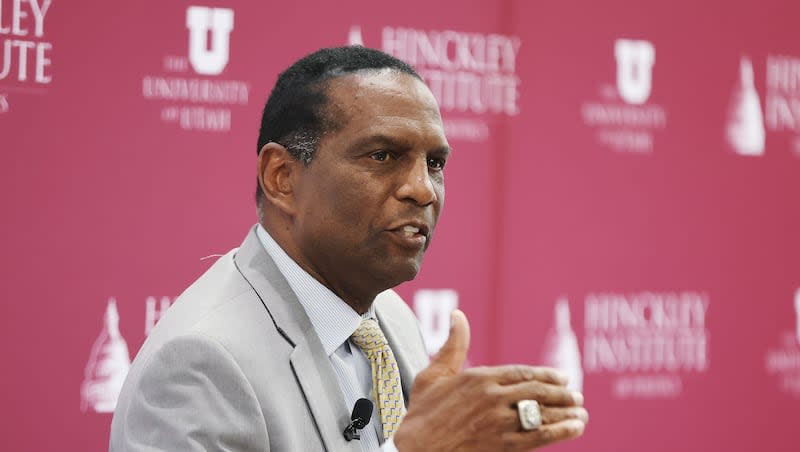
[517, 373]
[545, 394]
[509, 418]
[552, 415]
[454, 352]
[544, 435]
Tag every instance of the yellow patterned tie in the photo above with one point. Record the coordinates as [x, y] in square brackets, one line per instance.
[385, 374]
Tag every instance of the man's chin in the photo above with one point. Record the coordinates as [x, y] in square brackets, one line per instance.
[413, 266]
[402, 271]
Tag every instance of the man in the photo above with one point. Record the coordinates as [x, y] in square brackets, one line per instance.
[272, 346]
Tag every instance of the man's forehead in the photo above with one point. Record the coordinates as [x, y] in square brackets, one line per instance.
[380, 82]
[384, 103]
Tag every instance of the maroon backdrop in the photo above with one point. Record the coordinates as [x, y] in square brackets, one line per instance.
[622, 199]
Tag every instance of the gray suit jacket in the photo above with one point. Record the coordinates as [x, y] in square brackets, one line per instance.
[235, 365]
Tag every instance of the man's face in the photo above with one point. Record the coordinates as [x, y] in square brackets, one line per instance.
[367, 205]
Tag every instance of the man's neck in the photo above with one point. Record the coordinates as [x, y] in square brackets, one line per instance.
[359, 300]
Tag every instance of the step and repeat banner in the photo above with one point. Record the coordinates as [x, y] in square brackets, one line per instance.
[622, 198]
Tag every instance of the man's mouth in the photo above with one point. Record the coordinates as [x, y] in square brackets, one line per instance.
[409, 231]
[411, 235]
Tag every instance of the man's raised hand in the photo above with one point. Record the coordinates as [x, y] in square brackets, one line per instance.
[475, 409]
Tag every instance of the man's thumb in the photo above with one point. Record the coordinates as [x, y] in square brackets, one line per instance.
[454, 352]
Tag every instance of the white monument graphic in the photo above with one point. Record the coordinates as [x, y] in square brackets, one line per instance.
[108, 365]
[200, 21]
[745, 128]
[354, 37]
[433, 308]
[635, 61]
[561, 348]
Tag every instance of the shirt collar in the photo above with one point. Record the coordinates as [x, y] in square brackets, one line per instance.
[333, 320]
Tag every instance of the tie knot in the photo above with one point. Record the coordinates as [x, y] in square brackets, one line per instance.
[368, 336]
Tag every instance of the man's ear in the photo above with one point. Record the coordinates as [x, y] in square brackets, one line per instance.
[276, 168]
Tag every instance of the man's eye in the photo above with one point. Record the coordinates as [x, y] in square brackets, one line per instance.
[380, 156]
[435, 163]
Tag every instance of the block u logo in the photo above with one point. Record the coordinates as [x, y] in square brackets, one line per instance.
[635, 61]
[219, 22]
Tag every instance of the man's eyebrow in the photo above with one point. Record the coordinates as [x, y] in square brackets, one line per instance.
[446, 150]
[382, 140]
[393, 142]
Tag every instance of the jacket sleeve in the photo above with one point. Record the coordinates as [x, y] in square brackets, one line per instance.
[192, 396]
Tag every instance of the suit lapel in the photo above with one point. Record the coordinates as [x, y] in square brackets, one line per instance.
[318, 386]
[310, 364]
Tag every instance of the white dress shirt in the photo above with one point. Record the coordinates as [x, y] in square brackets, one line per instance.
[334, 322]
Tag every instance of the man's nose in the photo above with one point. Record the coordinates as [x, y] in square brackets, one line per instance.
[417, 184]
